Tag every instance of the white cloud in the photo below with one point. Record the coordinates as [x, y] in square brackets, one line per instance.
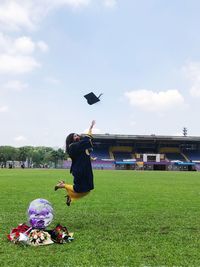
[155, 101]
[20, 138]
[110, 3]
[26, 14]
[71, 3]
[195, 90]
[192, 73]
[15, 85]
[3, 109]
[16, 54]
[23, 45]
[14, 15]
[13, 64]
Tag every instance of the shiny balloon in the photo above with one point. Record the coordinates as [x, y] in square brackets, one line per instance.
[40, 213]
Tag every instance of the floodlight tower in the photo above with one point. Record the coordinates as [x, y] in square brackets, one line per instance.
[184, 131]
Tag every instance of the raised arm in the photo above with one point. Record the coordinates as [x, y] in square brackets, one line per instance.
[91, 126]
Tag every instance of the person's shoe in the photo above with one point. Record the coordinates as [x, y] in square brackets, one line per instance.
[68, 202]
[60, 184]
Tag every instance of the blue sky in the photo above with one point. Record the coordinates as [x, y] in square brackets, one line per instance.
[144, 56]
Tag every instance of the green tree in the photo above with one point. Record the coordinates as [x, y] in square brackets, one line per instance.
[9, 153]
[55, 157]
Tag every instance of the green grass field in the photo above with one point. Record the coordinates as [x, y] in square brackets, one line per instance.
[130, 219]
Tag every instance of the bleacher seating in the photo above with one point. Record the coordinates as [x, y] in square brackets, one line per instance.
[122, 155]
[105, 153]
[193, 155]
[175, 156]
[100, 153]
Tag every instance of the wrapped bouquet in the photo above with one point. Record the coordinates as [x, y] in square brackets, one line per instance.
[23, 234]
[61, 235]
[38, 237]
[15, 233]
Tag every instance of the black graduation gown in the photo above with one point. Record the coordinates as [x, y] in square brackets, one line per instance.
[81, 167]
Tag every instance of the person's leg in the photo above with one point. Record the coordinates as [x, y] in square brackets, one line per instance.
[71, 194]
[60, 184]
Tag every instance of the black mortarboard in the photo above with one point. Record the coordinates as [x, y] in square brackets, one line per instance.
[92, 98]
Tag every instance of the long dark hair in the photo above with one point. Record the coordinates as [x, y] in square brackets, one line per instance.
[69, 141]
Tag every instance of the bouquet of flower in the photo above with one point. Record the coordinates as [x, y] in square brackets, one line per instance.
[61, 235]
[23, 234]
[38, 237]
[15, 233]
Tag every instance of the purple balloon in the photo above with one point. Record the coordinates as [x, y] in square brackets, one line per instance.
[40, 213]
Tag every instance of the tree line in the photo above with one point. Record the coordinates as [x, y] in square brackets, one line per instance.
[33, 156]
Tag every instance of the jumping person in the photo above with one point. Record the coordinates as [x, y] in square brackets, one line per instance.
[79, 148]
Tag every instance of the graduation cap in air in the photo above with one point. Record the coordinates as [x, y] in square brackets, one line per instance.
[92, 98]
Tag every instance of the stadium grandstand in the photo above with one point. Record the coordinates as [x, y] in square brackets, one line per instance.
[145, 152]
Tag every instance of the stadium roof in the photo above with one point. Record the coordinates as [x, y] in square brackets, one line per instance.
[151, 137]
